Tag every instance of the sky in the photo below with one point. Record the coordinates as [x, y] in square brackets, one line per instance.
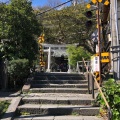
[37, 2]
[41, 3]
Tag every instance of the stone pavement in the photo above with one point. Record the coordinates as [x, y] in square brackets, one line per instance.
[58, 118]
[14, 98]
[6, 95]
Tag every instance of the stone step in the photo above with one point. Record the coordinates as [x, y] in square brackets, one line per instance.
[68, 117]
[58, 100]
[59, 77]
[54, 94]
[59, 90]
[70, 95]
[50, 109]
[58, 74]
[60, 85]
[58, 81]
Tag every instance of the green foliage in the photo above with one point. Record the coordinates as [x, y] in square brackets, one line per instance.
[25, 113]
[67, 26]
[20, 28]
[3, 107]
[76, 53]
[75, 113]
[111, 91]
[18, 70]
[3, 25]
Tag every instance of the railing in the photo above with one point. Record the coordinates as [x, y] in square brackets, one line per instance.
[82, 65]
[100, 90]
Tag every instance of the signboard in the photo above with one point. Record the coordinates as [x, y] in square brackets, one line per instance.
[94, 36]
[105, 57]
[95, 63]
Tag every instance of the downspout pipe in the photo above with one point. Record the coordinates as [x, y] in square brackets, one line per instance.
[117, 32]
[111, 35]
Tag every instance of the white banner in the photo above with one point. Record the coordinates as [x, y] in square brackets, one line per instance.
[95, 63]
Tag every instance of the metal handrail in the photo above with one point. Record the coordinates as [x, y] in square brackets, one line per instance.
[100, 90]
[103, 96]
[87, 74]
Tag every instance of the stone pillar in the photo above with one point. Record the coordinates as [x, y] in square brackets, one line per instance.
[49, 59]
[69, 66]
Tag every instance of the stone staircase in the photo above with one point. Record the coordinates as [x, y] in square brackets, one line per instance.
[58, 96]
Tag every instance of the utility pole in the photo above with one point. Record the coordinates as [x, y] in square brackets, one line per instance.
[98, 52]
[99, 38]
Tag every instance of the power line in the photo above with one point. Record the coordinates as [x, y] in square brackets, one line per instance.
[54, 7]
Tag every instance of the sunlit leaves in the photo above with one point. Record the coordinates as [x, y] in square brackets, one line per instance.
[76, 53]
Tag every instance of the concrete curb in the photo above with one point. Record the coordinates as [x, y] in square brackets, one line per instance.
[58, 118]
[12, 109]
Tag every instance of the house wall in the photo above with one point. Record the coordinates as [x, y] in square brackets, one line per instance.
[115, 31]
[118, 17]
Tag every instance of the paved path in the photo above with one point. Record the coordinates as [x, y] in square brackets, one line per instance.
[5, 95]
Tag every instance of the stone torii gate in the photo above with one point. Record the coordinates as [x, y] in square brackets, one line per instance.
[55, 50]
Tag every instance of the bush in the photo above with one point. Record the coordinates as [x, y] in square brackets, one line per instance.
[111, 91]
[3, 107]
[18, 71]
[76, 54]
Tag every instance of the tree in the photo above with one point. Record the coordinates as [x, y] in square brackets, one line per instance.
[3, 24]
[76, 54]
[22, 29]
[67, 26]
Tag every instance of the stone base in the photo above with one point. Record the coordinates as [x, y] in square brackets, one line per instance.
[69, 70]
[48, 70]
